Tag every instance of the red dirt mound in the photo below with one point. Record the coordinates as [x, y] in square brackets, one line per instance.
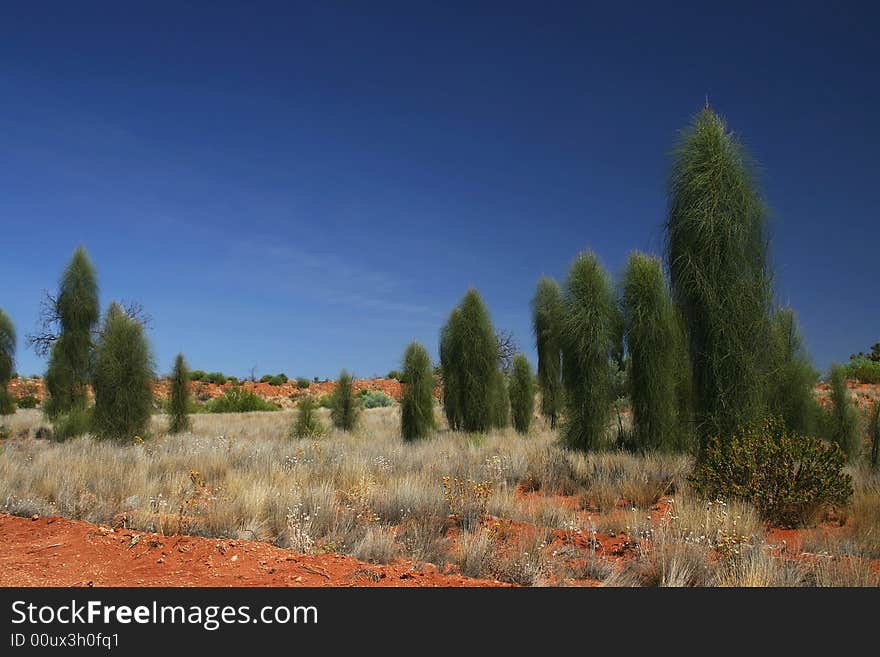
[60, 552]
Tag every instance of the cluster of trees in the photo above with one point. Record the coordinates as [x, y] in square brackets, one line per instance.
[696, 337]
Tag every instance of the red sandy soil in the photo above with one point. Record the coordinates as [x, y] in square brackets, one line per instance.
[284, 395]
[865, 394]
[56, 551]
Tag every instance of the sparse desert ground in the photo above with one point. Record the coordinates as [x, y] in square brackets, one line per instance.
[236, 501]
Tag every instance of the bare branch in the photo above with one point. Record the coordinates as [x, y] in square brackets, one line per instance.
[48, 326]
[507, 348]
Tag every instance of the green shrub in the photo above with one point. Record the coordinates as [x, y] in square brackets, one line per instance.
[76, 314]
[75, 422]
[215, 377]
[123, 376]
[238, 400]
[469, 352]
[546, 323]
[651, 336]
[265, 378]
[198, 375]
[863, 369]
[376, 399]
[394, 374]
[522, 394]
[278, 380]
[793, 378]
[179, 401]
[307, 424]
[232, 379]
[417, 406]
[344, 405]
[716, 252]
[326, 401]
[842, 418]
[788, 477]
[587, 337]
[302, 383]
[499, 403]
[7, 362]
[28, 401]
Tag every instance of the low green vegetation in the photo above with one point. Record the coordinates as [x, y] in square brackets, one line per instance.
[238, 400]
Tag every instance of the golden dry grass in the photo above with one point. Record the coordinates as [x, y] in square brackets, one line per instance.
[369, 494]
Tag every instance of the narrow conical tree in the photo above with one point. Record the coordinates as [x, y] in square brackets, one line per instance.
[469, 358]
[500, 401]
[124, 372]
[792, 376]
[522, 394]
[717, 258]
[344, 407]
[842, 418]
[587, 338]
[546, 319]
[7, 362]
[307, 424]
[417, 406]
[179, 398]
[70, 360]
[450, 357]
[651, 341]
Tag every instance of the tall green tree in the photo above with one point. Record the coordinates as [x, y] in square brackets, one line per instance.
[587, 338]
[546, 321]
[469, 360]
[651, 336]
[500, 401]
[842, 419]
[75, 312]
[417, 405]
[716, 249]
[522, 394]
[792, 376]
[7, 362]
[124, 372]
[450, 357]
[179, 399]
[344, 408]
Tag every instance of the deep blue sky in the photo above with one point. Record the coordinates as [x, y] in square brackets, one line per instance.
[306, 187]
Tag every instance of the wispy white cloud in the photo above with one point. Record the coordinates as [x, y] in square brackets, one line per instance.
[333, 279]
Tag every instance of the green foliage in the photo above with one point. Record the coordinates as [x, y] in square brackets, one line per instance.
[7, 363]
[302, 383]
[344, 404]
[394, 374]
[70, 360]
[417, 405]
[842, 419]
[788, 477]
[522, 394]
[469, 362]
[278, 380]
[75, 422]
[28, 401]
[198, 375]
[325, 401]
[546, 324]
[793, 378]
[238, 400]
[376, 399]
[124, 372]
[499, 401]
[307, 424]
[652, 339]
[717, 258]
[215, 377]
[587, 338]
[179, 400]
[863, 369]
